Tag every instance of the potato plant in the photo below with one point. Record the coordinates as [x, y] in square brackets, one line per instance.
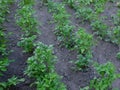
[63, 29]
[82, 8]
[4, 62]
[26, 2]
[2, 43]
[90, 10]
[78, 2]
[83, 44]
[105, 75]
[41, 67]
[70, 3]
[100, 28]
[28, 23]
[51, 81]
[26, 20]
[4, 9]
[99, 6]
[85, 13]
[115, 35]
[10, 82]
[27, 43]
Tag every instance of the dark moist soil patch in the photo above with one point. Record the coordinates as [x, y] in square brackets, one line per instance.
[102, 52]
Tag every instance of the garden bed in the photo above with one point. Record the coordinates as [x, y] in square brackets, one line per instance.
[103, 51]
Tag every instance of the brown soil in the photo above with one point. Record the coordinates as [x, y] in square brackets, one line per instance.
[102, 51]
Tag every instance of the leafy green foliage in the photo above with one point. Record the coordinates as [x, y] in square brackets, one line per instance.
[27, 43]
[26, 2]
[83, 9]
[12, 81]
[90, 10]
[51, 81]
[2, 43]
[83, 41]
[83, 61]
[28, 23]
[115, 37]
[85, 88]
[4, 62]
[85, 13]
[99, 5]
[44, 1]
[65, 35]
[63, 29]
[100, 28]
[78, 2]
[4, 9]
[41, 67]
[83, 44]
[26, 20]
[106, 75]
[42, 61]
[70, 3]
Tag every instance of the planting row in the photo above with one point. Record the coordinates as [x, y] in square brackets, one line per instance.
[28, 24]
[63, 29]
[40, 65]
[4, 61]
